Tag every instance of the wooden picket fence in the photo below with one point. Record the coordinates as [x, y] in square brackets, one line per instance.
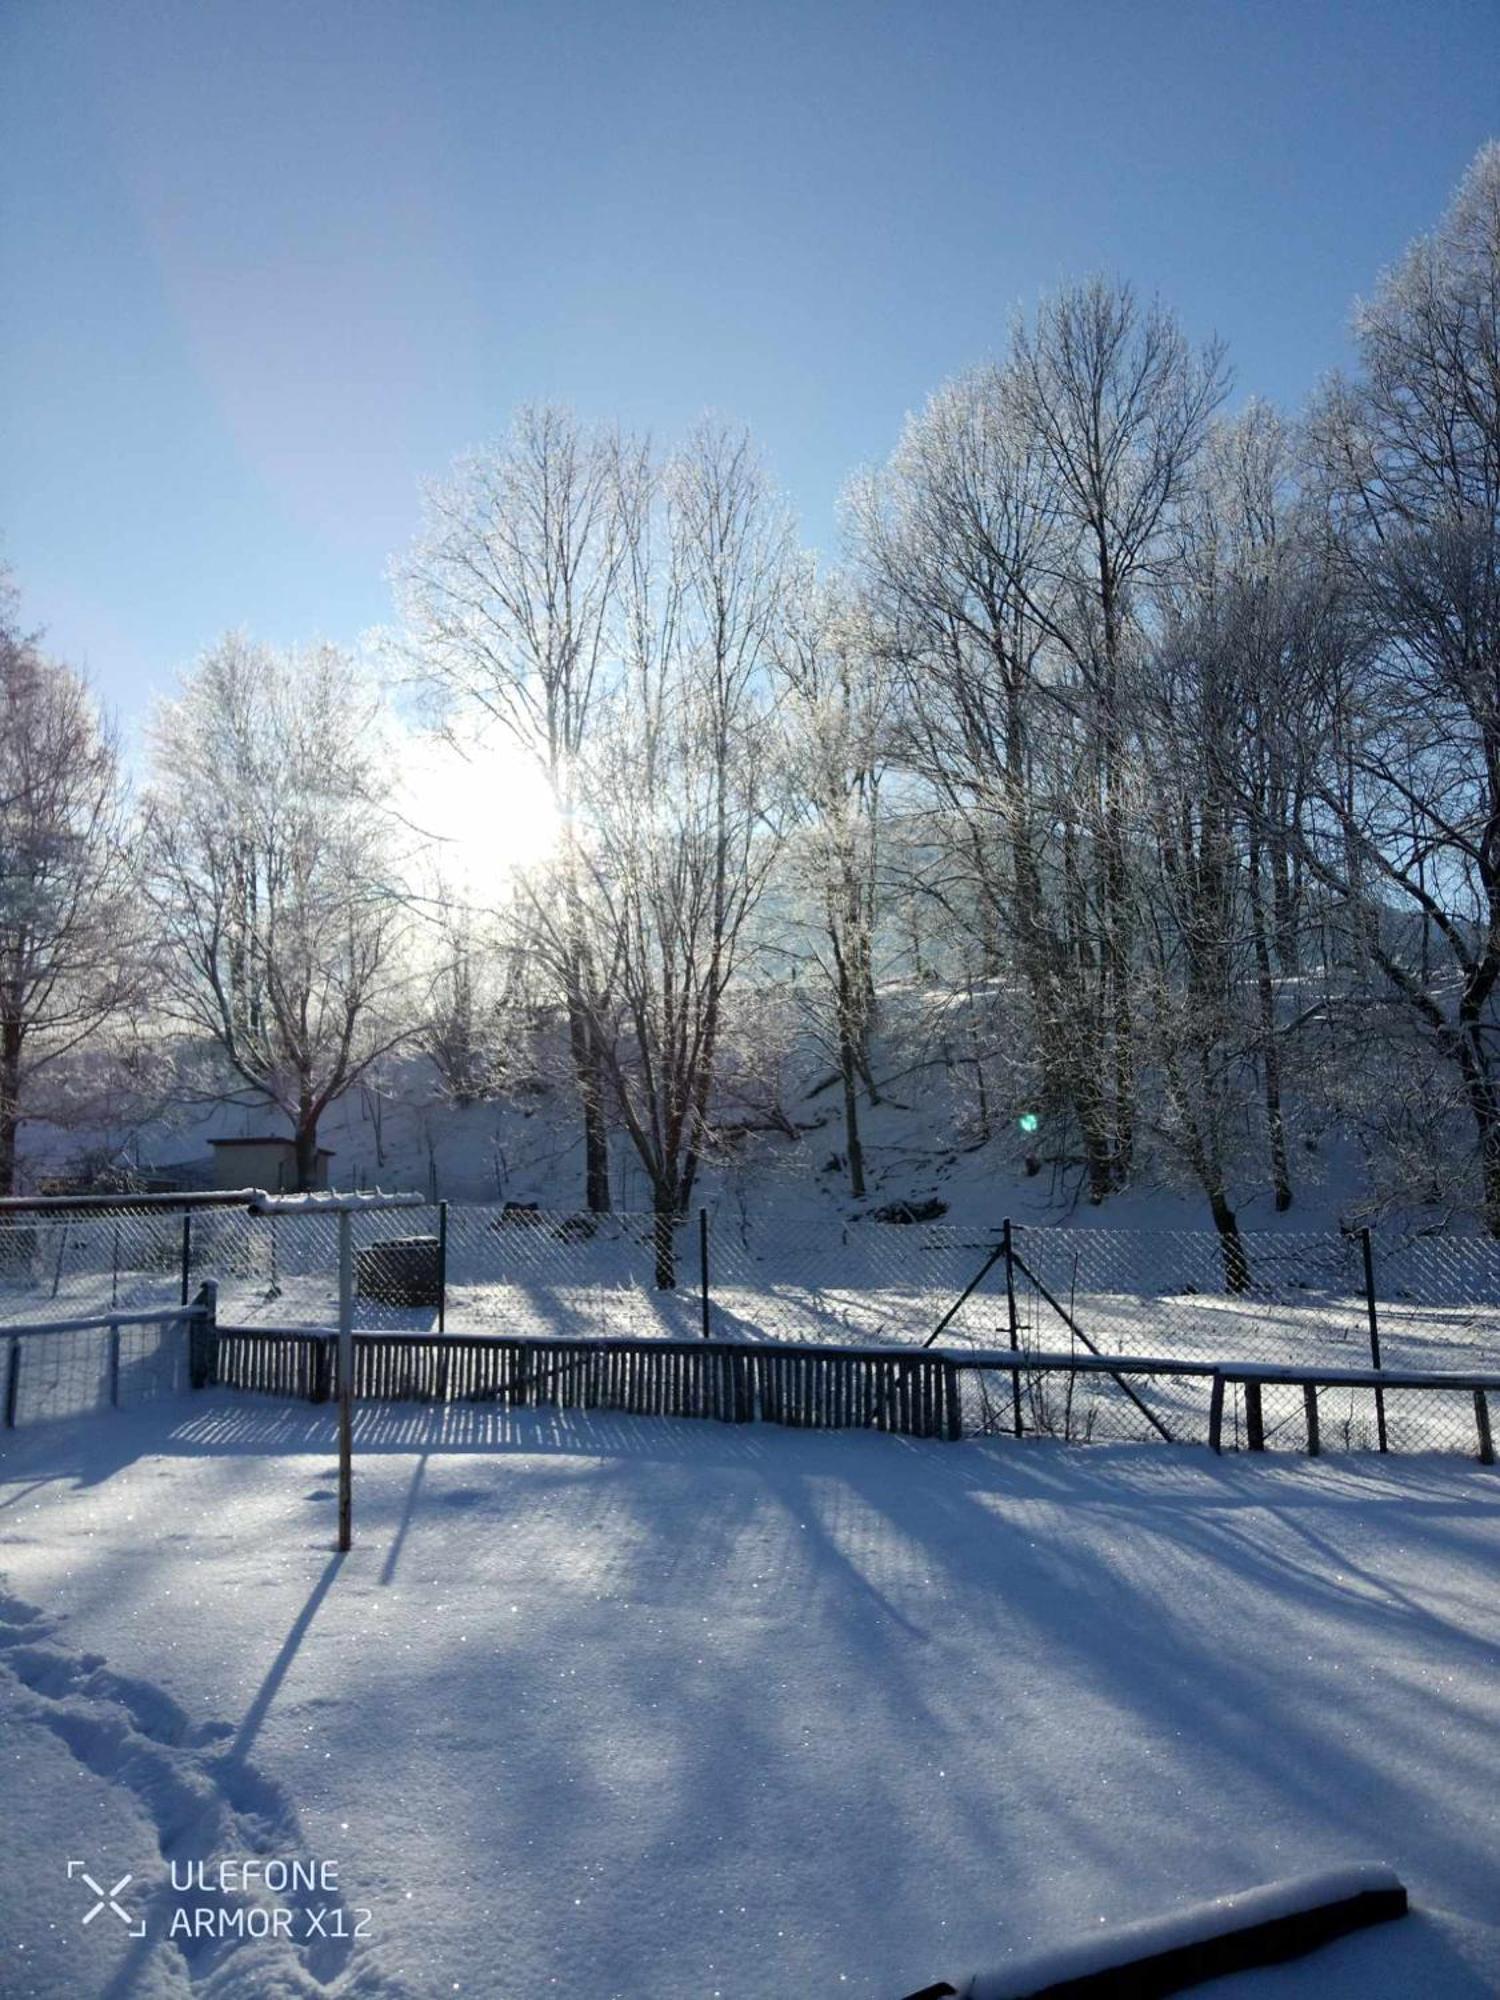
[912, 1392]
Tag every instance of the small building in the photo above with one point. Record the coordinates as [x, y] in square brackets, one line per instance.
[269, 1163]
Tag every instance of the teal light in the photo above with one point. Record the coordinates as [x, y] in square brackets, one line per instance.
[1028, 1121]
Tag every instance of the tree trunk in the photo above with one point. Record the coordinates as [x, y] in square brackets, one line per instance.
[664, 1239]
[1281, 1177]
[1231, 1243]
[1484, 1105]
[595, 1158]
[852, 1142]
[586, 1072]
[11, 1037]
[306, 1145]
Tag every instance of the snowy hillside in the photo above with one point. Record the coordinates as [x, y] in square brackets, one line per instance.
[921, 1141]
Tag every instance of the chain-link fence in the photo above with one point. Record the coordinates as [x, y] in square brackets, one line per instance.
[830, 1278]
[66, 1264]
[78, 1367]
[1080, 1399]
[1330, 1300]
[1421, 1302]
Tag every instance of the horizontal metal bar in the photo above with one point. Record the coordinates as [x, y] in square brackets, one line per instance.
[1351, 1378]
[167, 1313]
[372, 1203]
[68, 1204]
[300, 1332]
[1000, 1359]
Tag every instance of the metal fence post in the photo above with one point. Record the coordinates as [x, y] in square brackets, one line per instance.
[203, 1337]
[346, 1380]
[12, 1382]
[1010, 1307]
[187, 1252]
[703, 1269]
[442, 1266]
[1255, 1422]
[114, 1368]
[1482, 1422]
[1374, 1317]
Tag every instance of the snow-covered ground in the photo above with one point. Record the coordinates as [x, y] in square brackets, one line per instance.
[610, 1706]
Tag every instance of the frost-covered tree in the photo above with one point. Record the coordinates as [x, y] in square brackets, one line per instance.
[675, 798]
[836, 706]
[958, 547]
[269, 861]
[1117, 401]
[66, 916]
[509, 597]
[1406, 705]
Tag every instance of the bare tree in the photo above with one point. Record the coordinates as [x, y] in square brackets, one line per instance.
[508, 596]
[1194, 964]
[680, 844]
[66, 919]
[1227, 785]
[270, 868]
[836, 704]
[963, 548]
[1407, 705]
[1120, 405]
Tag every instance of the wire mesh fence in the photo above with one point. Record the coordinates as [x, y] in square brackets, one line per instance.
[67, 1265]
[1141, 1404]
[77, 1368]
[1426, 1302]
[1325, 1299]
[848, 1279]
[1283, 1296]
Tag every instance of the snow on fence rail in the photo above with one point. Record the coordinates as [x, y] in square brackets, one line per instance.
[948, 1392]
[69, 1368]
[73, 1367]
[1426, 1301]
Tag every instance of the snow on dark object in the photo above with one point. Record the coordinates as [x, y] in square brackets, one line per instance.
[1206, 1941]
[400, 1271]
[912, 1211]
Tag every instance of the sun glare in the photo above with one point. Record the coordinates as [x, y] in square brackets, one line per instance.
[486, 814]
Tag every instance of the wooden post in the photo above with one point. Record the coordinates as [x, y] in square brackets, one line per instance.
[12, 1382]
[346, 1380]
[1255, 1425]
[1310, 1404]
[1216, 1413]
[703, 1270]
[1008, 1248]
[187, 1251]
[1486, 1437]
[442, 1267]
[1374, 1319]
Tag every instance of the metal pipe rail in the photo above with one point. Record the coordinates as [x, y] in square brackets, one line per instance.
[150, 1317]
[75, 1204]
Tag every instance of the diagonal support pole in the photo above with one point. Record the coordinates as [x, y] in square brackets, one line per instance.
[1119, 1380]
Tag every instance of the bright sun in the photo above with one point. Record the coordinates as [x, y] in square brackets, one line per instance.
[488, 813]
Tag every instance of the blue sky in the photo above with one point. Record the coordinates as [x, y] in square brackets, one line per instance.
[265, 266]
